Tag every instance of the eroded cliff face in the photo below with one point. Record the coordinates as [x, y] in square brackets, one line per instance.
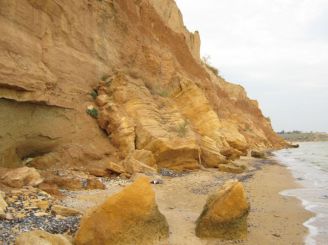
[155, 98]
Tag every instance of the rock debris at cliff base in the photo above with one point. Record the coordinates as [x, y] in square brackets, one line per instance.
[30, 209]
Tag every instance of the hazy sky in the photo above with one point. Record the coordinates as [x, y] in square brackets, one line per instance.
[276, 49]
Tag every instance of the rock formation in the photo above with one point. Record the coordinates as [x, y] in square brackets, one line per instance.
[64, 211]
[20, 177]
[29, 209]
[129, 217]
[224, 214]
[41, 238]
[156, 95]
[258, 154]
[231, 168]
[3, 205]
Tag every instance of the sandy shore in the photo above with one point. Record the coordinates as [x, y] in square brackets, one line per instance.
[273, 219]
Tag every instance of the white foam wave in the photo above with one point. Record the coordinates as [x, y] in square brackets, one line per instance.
[309, 165]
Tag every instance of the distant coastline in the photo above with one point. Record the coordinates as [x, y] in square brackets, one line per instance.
[298, 136]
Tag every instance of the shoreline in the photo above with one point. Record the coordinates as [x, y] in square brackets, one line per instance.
[273, 218]
[308, 167]
[287, 212]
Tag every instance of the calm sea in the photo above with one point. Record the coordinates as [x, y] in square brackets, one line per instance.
[309, 165]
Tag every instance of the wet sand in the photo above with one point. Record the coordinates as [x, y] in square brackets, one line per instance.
[273, 218]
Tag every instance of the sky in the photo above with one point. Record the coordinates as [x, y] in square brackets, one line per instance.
[276, 49]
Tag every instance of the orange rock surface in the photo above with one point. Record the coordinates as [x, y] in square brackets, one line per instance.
[17, 178]
[224, 214]
[155, 95]
[39, 237]
[129, 217]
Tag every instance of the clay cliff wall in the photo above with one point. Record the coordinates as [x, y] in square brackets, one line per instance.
[155, 97]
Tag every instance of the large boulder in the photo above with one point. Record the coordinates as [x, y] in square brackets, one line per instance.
[258, 154]
[129, 217]
[211, 156]
[224, 214]
[232, 168]
[102, 169]
[20, 177]
[41, 238]
[144, 156]
[133, 165]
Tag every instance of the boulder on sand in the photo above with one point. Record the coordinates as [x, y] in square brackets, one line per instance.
[41, 238]
[258, 154]
[128, 217]
[232, 168]
[20, 177]
[225, 213]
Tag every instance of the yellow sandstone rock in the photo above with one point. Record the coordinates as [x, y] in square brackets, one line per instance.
[155, 95]
[140, 161]
[231, 168]
[128, 217]
[258, 154]
[42, 204]
[20, 177]
[41, 238]
[115, 168]
[41, 214]
[3, 205]
[64, 211]
[144, 156]
[20, 215]
[225, 212]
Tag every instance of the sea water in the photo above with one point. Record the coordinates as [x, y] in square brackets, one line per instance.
[309, 166]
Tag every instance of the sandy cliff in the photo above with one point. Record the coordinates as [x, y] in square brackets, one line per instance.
[158, 105]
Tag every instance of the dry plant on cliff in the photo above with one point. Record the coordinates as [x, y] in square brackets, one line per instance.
[206, 61]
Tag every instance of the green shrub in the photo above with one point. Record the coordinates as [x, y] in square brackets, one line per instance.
[182, 129]
[107, 79]
[93, 112]
[206, 61]
[163, 93]
[104, 78]
[94, 94]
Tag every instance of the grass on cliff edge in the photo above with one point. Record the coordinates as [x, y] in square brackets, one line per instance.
[94, 94]
[206, 61]
[92, 112]
[182, 129]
